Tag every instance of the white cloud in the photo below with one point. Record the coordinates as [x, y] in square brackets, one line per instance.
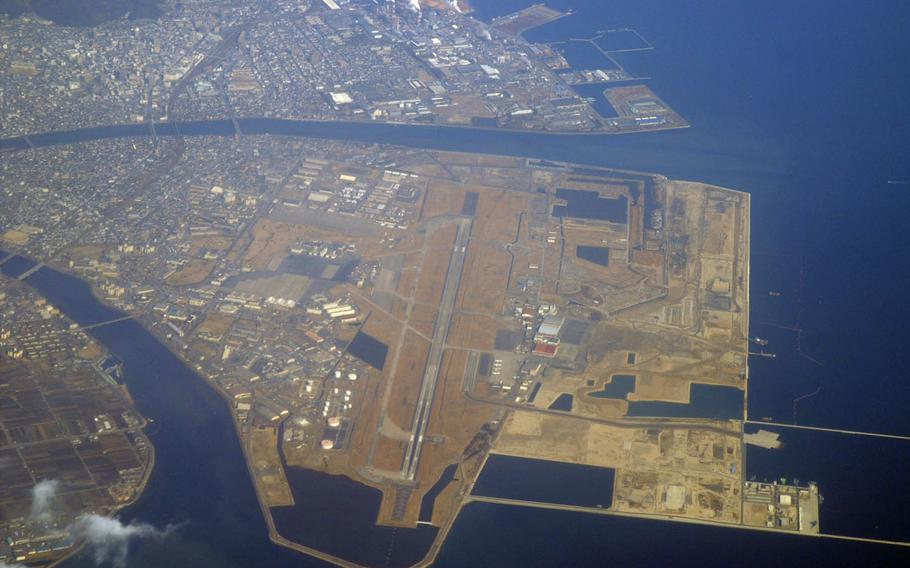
[43, 494]
[109, 538]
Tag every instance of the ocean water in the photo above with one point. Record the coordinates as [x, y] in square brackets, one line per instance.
[804, 106]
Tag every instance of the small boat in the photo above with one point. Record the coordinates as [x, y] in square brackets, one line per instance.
[774, 293]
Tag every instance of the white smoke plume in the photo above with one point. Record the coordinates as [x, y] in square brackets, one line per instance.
[109, 539]
[43, 494]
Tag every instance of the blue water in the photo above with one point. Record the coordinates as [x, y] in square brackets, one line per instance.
[369, 350]
[597, 255]
[858, 477]
[563, 402]
[428, 503]
[584, 55]
[590, 205]
[15, 265]
[618, 40]
[512, 477]
[804, 106]
[705, 401]
[494, 536]
[200, 480]
[618, 387]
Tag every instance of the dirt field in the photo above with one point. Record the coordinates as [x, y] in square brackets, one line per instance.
[407, 380]
[269, 239]
[383, 328]
[361, 438]
[464, 108]
[423, 319]
[433, 274]
[407, 279]
[194, 272]
[84, 251]
[14, 237]
[273, 239]
[92, 351]
[479, 160]
[266, 465]
[484, 280]
[443, 197]
[389, 454]
[498, 213]
[454, 419]
[454, 416]
[215, 324]
[211, 243]
[472, 331]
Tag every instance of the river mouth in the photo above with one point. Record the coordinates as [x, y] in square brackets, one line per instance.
[333, 514]
[200, 481]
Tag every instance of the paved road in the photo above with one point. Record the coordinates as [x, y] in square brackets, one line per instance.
[434, 360]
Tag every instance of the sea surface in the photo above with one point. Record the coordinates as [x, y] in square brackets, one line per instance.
[804, 105]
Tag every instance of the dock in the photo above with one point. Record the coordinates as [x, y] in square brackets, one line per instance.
[831, 430]
[763, 439]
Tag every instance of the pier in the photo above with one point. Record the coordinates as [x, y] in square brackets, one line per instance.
[831, 430]
[674, 518]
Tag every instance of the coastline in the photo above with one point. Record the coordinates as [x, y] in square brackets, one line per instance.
[139, 431]
[461, 497]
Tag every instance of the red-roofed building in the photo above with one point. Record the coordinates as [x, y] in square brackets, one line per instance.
[545, 349]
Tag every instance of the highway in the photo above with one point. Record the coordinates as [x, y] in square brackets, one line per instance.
[434, 359]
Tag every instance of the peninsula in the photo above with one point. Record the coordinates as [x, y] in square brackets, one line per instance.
[391, 327]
